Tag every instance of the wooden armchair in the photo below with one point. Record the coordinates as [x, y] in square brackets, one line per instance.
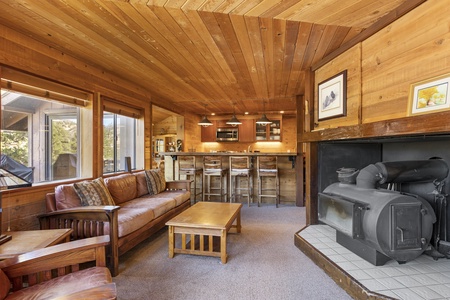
[55, 272]
[86, 222]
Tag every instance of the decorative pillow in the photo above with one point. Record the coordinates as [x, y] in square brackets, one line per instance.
[93, 193]
[156, 181]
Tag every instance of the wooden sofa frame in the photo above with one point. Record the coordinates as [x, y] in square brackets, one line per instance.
[89, 221]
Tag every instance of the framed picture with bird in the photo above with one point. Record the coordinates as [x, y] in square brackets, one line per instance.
[332, 97]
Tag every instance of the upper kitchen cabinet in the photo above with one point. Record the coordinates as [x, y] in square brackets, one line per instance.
[269, 132]
[247, 130]
[209, 133]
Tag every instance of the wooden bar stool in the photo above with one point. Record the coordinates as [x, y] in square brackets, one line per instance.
[267, 167]
[187, 165]
[213, 170]
[241, 166]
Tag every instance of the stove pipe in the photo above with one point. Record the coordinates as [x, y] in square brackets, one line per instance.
[401, 172]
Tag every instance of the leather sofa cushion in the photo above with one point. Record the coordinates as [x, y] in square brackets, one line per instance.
[65, 285]
[122, 187]
[179, 196]
[132, 219]
[141, 183]
[154, 203]
[66, 197]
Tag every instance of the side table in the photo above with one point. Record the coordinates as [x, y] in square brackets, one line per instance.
[25, 241]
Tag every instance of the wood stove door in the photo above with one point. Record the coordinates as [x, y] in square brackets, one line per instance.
[406, 226]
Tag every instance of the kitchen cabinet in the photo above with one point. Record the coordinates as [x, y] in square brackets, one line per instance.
[247, 130]
[269, 132]
[209, 133]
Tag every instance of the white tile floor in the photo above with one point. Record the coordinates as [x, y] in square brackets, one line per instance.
[422, 278]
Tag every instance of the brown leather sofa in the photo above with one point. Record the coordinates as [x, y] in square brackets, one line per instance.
[135, 216]
[32, 275]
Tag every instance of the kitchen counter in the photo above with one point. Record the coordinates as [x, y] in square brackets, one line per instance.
[290, 155]
[286, 167]
[229, 153]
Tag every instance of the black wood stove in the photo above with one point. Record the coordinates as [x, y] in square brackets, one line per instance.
[387, 210]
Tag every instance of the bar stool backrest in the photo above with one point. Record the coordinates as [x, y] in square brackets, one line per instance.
[212, 163]
[240, 163]
[187, 162]
[267, 163]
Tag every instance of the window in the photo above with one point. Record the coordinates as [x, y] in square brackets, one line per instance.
[46, 128]
[39, 138]
[119, 142]
[62, 138]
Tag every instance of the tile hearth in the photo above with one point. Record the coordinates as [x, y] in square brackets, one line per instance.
[422, 278]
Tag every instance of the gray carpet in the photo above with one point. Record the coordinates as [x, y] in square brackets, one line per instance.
[263, 263]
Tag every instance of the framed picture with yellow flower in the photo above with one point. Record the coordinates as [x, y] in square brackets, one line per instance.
[430, 95]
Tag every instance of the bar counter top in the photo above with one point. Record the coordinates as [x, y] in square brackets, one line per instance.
[286, 164]
[228, 153]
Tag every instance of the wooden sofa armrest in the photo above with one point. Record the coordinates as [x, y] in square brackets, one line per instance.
[36, 266]
[179, 185]
[105, 292]
[88, 221]
[97, 213]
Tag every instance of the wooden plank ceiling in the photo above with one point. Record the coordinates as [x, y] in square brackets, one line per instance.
[226, 54]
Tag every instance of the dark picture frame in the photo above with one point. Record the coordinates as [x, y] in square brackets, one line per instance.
[332, 97]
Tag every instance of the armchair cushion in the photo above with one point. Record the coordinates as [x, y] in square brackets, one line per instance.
[55, 272]
[156, 181]
[67, 284]
[5, 285]
[93, 193]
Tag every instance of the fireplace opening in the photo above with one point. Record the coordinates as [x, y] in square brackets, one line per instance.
[386, 199]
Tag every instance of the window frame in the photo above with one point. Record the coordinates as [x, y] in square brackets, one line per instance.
[49, 142]
[115, 138]
[51, 91]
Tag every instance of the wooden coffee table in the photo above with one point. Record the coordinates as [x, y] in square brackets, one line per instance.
[204, 221]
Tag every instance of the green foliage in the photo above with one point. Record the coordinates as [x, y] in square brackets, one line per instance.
[15, 145]
[108, 142]
[64, 137]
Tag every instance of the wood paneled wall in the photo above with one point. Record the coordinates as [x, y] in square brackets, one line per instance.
[192, 133]
[381, 70]
[350, 61]
[166, 126]
[20, 207]
[414, 48]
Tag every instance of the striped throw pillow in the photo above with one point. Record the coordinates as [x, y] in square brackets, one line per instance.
[93, 193]
[156, 181]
